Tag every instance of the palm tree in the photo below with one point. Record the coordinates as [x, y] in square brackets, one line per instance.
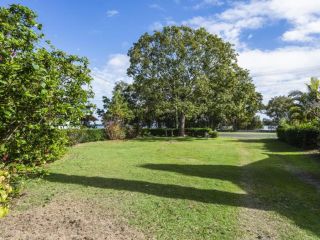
[306, 105]
[313, 89]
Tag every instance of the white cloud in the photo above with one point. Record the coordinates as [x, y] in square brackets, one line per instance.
[275, 72]
[112, 13]
[115, 70]
[156, 6]
[157, 26]
[230, 31]
[205, 3]
[302, 15]
[282, 70]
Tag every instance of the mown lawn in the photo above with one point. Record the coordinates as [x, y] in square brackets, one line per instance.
[193, 188]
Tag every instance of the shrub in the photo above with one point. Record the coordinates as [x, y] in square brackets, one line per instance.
[115, 130]
[34, 146]
[174, 132]
[41, 88]
[198, 132]
[303, 135]
[131, 132]
[213, 134]
[5, 191]
[164, 132]
[145, 132]
[83, 135]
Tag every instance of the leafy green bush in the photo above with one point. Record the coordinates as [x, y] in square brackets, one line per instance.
[163, 132]
[41, 88]
[131, 132]
[174, 132]
[33, 146]
[83, 135]
[213, 134]
[5, 191]
[12, 178]
[199, 132]
[303, 135]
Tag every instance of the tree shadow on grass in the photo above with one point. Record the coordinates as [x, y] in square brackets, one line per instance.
[156, 189]
[267, 182]
[270, 182]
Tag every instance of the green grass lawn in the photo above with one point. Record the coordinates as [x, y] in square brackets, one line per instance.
[193, 188]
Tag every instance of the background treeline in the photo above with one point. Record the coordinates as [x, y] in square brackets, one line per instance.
[297, 116]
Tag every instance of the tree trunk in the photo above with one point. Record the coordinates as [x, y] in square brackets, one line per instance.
[182, 124]
[235, 125]
[176, 118]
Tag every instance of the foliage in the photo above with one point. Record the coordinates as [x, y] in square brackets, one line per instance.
[116, 114]
[255, 123]
[88, 120]
[306, 105]
[115, 130]
[5, 191]
[296, 114]
[303, 135]
[182, 74]
[173, 132]
[278, 108]
[83, 135]
[298, 107]
[41, 89]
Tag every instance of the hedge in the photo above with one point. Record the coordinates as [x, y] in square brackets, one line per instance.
[76, 136]
[174, 132]
[304, 135]
[83, 135]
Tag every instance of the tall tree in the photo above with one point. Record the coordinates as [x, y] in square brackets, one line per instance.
[183, 73]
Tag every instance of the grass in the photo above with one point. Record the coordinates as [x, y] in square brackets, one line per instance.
[193, 188]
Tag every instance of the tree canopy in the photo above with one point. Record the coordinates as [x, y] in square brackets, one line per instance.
[182, 74]
[279, 108]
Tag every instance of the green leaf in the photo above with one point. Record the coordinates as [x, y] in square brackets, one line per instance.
[35, 66]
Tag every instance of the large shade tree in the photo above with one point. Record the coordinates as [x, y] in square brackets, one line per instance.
[186, 73]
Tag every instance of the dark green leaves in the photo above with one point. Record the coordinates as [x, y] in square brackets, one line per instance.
[182, 73]
[41, 90]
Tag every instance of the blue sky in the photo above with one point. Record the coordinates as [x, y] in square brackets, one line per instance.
[277, 40]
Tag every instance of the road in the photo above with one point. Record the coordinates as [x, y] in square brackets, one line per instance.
[248, 135]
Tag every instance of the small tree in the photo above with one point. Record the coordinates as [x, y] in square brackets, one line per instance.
[116, 116]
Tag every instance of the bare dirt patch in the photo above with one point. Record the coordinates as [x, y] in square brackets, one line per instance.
[67, 219]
